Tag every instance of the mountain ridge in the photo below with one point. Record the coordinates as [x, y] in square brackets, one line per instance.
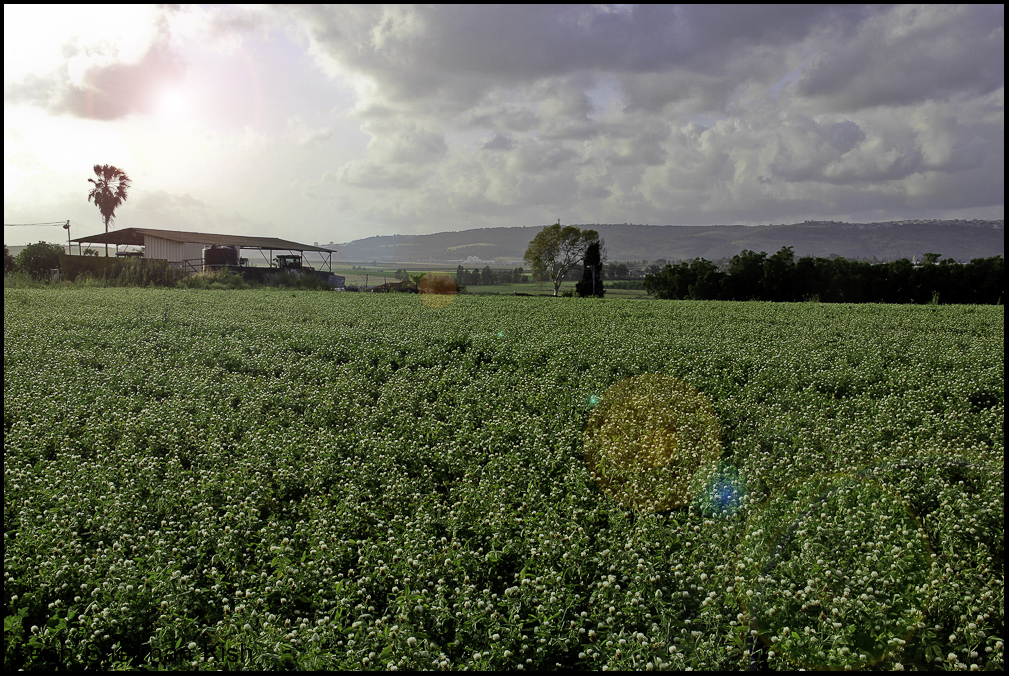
[882, 241]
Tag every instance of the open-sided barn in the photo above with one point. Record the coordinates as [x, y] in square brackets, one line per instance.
[189, 250]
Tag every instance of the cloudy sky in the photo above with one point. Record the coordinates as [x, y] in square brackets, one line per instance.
[333, 124]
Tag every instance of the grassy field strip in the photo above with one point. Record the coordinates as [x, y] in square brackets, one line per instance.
[268, 479]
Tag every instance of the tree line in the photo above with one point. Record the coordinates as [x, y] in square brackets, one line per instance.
[488, 275]
[782, 277]
[477, 277]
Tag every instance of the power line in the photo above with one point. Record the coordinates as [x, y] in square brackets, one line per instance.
[26, 225]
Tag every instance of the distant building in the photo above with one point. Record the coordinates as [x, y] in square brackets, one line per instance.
[186, 249]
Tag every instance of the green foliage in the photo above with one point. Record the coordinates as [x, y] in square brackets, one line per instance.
[39, 259]
[109, 191]
[293, 280]
[22, 280]
[752, 276]
[555, 251]
[490, 276]
[94, 271]
[9, 263]
[226, 279]
[591, 282]
[348, 481]
[220, 279]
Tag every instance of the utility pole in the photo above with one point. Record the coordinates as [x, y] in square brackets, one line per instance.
[66, 227]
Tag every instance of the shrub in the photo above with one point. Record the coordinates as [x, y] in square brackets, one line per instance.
[292, 280]
[282, 280]
[37, 260]
[9, 264]
[216, 279]
[21, 280]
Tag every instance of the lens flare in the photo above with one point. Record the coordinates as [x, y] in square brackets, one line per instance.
[437, 290]
[652, 442]
[724, 494]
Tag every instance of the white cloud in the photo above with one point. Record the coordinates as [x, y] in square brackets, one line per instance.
[409, 118]
[303, 135]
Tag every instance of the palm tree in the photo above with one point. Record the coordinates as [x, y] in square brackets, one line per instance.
[109, 192]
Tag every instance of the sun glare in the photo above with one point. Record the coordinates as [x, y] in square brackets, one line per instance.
[172, 104]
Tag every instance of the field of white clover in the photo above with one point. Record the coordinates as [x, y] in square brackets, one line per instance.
[261, 479]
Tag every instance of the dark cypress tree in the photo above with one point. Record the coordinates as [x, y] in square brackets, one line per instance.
[592, 272]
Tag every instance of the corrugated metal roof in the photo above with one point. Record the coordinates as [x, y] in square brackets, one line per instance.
[135, 237]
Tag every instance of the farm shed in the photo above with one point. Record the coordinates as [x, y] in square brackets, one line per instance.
[186, 249]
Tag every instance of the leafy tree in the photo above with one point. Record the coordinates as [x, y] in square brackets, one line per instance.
[779, 275]
[897, 286]
[616, 270]
[699, 279]
[668, 284]
[555, 250]
[109, 192]
[591, 283]
[809, 278]
[706, 281]
[9, 263]
[746, 272]
[986, 279]
[36, 260]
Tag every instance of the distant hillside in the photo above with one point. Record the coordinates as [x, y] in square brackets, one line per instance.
[961, 240]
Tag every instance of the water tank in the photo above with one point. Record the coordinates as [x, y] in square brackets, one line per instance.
[220, 254]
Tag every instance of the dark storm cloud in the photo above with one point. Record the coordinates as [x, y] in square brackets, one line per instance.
[680, 113]
[910, 55]
[499, 142]
[108, 92]
[455, 53]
